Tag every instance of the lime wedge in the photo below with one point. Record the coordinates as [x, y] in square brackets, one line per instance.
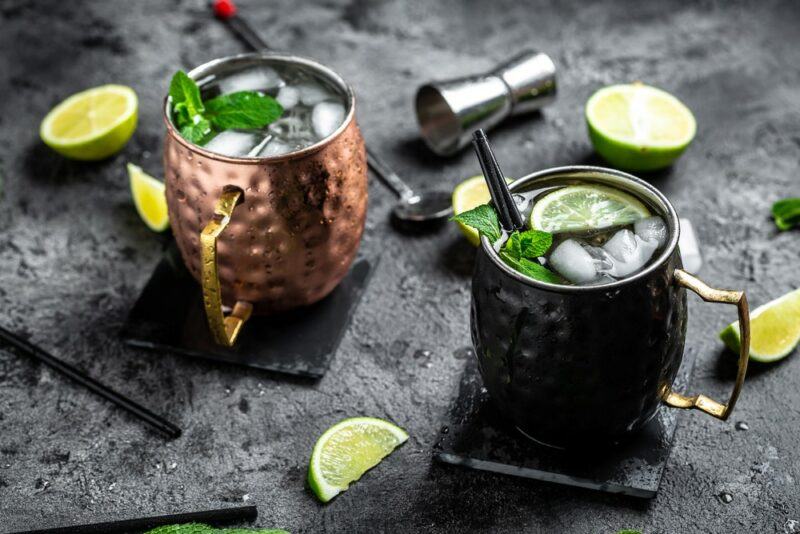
[349, 449]
[149, 198]
[638, 127]
[774, 329]
[577, 208]
[92, 124]
[467, 195]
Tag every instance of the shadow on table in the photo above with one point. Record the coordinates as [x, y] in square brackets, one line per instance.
[457, 256]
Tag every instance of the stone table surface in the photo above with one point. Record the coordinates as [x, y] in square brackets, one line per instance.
[74, 255]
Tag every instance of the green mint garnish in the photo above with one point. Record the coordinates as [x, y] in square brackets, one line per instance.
[521, 249]
[200, 528]
[198, 121]
[786, 213]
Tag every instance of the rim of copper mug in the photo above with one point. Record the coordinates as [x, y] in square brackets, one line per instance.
[579, 172]
[204, 69]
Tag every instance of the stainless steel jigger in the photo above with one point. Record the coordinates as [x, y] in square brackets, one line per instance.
[449, 111]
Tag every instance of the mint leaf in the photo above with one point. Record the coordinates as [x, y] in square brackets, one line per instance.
[627, 531]
[199, 528]
[529, 244]
[530, 268]
[786, 213]
[196, 132]
[242, 110]
[483, 219]
[185, 95]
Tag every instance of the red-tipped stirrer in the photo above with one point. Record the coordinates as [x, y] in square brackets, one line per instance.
[225, 10]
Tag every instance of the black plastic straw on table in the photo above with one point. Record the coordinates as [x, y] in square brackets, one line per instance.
[222, 516]
[29, 349]
[507, 212]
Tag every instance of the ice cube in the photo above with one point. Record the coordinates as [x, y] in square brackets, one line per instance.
[573, 262]
[326, 117]
[276, 147]
[629, 251]
[651, 228]
[256, 79]
[311, 94]
[232, 143]
[603, 261]
[288, 97]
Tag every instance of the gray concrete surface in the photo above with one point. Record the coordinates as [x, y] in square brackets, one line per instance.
[73, 256]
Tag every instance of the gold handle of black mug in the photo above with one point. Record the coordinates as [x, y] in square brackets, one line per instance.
[224, 329]
[709, 294]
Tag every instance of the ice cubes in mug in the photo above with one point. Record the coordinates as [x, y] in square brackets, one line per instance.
[572, 261]
[264, 79]
[232, 143]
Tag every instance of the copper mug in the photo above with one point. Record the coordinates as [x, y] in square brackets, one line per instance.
[266, 234]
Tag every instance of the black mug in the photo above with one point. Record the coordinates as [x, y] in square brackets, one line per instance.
[573, 365]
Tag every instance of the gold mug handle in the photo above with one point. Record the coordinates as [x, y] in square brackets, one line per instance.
[709, 294]
[224, 329]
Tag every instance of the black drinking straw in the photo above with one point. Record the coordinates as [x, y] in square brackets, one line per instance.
[510, 217]
[29, 349]
[222, 516]
[240, 27]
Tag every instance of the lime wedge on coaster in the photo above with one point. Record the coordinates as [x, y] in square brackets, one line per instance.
[467, 195]
[92, 124]
[349, 449]
[577, 208]
[774, 329]
[638, 127]
[149, 198]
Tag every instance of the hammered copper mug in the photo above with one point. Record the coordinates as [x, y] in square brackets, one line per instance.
[266, 234]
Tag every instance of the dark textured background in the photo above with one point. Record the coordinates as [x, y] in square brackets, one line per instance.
[73, 256]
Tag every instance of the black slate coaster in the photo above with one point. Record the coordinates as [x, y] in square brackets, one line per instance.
[476, 436]
[169, 316]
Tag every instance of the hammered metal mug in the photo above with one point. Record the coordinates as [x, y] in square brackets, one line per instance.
[266, 234]
[578, 365]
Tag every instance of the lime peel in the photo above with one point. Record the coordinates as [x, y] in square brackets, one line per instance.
[585, 207]
[467, 195]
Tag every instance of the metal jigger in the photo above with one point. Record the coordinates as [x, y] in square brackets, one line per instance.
[449, 111]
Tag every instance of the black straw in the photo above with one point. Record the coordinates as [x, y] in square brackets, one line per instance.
[246, 33]
[222, 516]
[31, 350]
[510, 217]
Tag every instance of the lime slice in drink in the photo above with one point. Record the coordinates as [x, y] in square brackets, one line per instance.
[467, 195]
[638, 127]
[577, 208]
[774, 329]
[92, 124]
[349, 449]
[149, 198]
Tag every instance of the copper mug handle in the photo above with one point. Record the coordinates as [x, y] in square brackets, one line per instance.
[225, 329]
[709, 294]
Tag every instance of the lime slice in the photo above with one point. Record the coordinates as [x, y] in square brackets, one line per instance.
[638, 127]
[774, 329]
[467, 195]
[149, 198]
[92, 124]
[349, 449]
[577, 208]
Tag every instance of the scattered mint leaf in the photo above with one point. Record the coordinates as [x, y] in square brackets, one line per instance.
[530, 244]
[531, 269]
[483, 219]
[199, 528]
[786, 213]
[627, 531]
[242, 110]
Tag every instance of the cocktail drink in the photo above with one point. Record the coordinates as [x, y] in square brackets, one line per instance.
[584, 348]
[266, 183]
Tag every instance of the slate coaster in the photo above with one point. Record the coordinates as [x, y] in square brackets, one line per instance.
[169, 316]
[476, 436]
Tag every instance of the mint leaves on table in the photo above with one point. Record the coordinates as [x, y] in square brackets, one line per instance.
[521, 249]
[198, 121]
[786, 213]
[200, 528]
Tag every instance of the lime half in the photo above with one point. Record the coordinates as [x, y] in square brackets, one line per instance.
[349, 449]
[577, 208]
[467, 195]
[150, 198]
[638, 127]
[774, 329]
[92, 124]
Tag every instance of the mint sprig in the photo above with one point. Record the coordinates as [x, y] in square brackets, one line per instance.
[200, 528]
[198, 121]
[786, 213]
[521, 249]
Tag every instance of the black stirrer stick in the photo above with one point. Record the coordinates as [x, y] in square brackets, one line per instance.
[37, 353]
[221, 516]
[510, 217]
